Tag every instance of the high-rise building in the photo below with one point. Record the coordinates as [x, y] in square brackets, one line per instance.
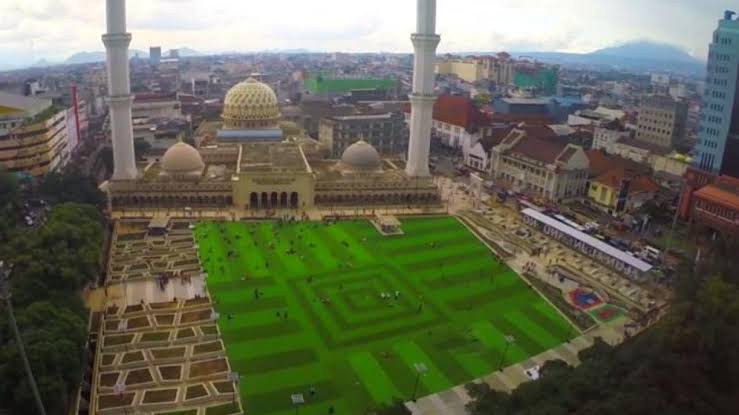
[662, 121]
[155, 55]
[33, 135]
[718, 144]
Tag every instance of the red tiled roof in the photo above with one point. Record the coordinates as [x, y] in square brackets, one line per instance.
[602, 162]
[729, 181]
[639, 182]
[519, 118]
[567, 155]
[722, 195]
[459, 111]
[545, 149]
[537, 130]
[495, 138]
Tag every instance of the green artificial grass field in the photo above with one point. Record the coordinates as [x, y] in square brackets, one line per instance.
[311, 308]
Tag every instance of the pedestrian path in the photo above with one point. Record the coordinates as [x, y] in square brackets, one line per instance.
[452, 401]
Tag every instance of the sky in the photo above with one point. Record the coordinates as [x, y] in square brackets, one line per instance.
[55, 29]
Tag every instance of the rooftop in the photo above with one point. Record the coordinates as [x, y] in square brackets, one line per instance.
[601, 162]
[459, 111]
[267, 157]
[537, 143]
[12, 105]
[654, 149]
[639, 182]
[526, 101]
[589, 240]
[726, 194]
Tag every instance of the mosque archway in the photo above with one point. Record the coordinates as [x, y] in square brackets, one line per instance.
[294, 200]
[283, 200]
[254, 200]
[265, 201]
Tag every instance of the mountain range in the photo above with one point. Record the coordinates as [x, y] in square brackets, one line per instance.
[640, 56]
[99, 56]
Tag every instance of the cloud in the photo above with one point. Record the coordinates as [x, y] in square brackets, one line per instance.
[59, 28]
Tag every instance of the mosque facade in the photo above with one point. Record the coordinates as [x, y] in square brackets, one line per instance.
[255, 163]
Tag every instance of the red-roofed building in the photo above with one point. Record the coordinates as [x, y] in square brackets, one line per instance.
[618, 184]
[711, 201]
[534, 160]
[601, 162]
[458, 123]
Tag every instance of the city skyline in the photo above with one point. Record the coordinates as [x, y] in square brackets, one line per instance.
[53, 30]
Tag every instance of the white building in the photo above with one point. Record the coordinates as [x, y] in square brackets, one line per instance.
[547, 167]
[598, 116]
[605, 138]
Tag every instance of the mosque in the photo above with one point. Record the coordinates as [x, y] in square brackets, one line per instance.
[253, 164]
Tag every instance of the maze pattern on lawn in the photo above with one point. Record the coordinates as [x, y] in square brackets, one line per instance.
[355, 349]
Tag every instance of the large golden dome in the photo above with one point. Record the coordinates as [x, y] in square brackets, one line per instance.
[250, 104]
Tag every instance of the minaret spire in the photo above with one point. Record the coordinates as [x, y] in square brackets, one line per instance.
[116, 42]
[425, 41]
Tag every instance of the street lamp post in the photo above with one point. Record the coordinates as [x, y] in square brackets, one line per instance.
[420, 370]
[508, 341]
[5, 295]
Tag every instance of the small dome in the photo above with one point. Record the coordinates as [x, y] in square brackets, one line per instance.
[182, 158]
[250, 102]
[361, 155]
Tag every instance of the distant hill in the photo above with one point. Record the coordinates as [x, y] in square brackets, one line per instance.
[95, 57]
[647, 51]
[85, 57]
[640, 56]
[42, 63]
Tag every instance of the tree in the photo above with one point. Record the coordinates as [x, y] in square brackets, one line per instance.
[60, 257]
[483, 99]
[687, 364]
[71, 186]
[55, 339]
[8, 187]
[50, 266]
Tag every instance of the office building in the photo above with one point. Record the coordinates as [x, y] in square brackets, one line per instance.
[33, 135]
[387, 132]
[155, 55]
[662, 121]
[718, 141]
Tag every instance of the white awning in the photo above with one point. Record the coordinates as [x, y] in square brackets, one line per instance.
[589, 240]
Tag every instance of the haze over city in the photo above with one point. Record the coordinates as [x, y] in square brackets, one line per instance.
[31, 30]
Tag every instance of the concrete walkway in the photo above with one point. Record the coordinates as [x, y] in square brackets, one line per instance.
[452, 401]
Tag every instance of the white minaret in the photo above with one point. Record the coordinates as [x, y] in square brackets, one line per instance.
[119, 90]
[425, 41]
